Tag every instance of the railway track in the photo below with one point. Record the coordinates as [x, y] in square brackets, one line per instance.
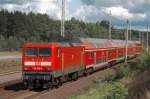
[8, 77]
[16, 90]
[8, 73]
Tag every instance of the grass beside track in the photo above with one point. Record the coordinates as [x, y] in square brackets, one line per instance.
[106, 90]
[11, 65]
[10, 69]
[129, 82]
[9, 53]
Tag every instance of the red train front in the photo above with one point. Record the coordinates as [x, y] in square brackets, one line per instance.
[45, 64]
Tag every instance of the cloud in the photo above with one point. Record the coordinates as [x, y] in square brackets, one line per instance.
[122, 9]
[123, 13]
[137, 11]
[130, 4]
[83, 12]
[92, 13]
[13, 1]
[103, 3]
[87, 10]
[50, 7]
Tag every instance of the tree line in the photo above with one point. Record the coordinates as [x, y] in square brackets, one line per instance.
[16, 28]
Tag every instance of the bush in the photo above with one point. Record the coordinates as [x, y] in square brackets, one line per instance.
[143, 62]
[107, 90]
[118, 91]
[133, 65]
[122, 72]
[110, 78]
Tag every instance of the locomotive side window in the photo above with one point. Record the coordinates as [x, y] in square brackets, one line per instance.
[44, 52]
[31, 52]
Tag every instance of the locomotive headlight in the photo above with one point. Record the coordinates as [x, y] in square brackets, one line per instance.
[28, 63]
[46, 63]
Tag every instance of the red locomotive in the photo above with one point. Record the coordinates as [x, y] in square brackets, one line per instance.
[50, 64]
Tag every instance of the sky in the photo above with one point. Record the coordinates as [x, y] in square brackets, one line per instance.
[136, 11]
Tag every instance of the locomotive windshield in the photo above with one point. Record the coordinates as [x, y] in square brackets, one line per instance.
[42, 52]
[31, 52]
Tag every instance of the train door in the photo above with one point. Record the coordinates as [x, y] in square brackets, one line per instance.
[89, 59]
[57, 59]
[100, 59]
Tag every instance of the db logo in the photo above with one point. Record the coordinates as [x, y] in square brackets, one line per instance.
[37, 63]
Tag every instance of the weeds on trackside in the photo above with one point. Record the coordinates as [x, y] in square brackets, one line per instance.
[108, 88]
[113, 87]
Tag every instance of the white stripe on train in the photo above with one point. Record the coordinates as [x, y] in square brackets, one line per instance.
[30, 63]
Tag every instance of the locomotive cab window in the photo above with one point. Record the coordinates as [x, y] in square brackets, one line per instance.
[31, 52]
[44, 52]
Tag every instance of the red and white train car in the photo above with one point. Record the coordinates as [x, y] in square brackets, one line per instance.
[50, 64]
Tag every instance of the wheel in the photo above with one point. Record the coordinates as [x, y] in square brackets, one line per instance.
[60, 82]
[74, 76]
[30, 85]
[91, 70]
[86, 72]
[57, 82]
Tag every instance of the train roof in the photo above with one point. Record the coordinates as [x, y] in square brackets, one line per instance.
[102, 43]
[88, 43]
